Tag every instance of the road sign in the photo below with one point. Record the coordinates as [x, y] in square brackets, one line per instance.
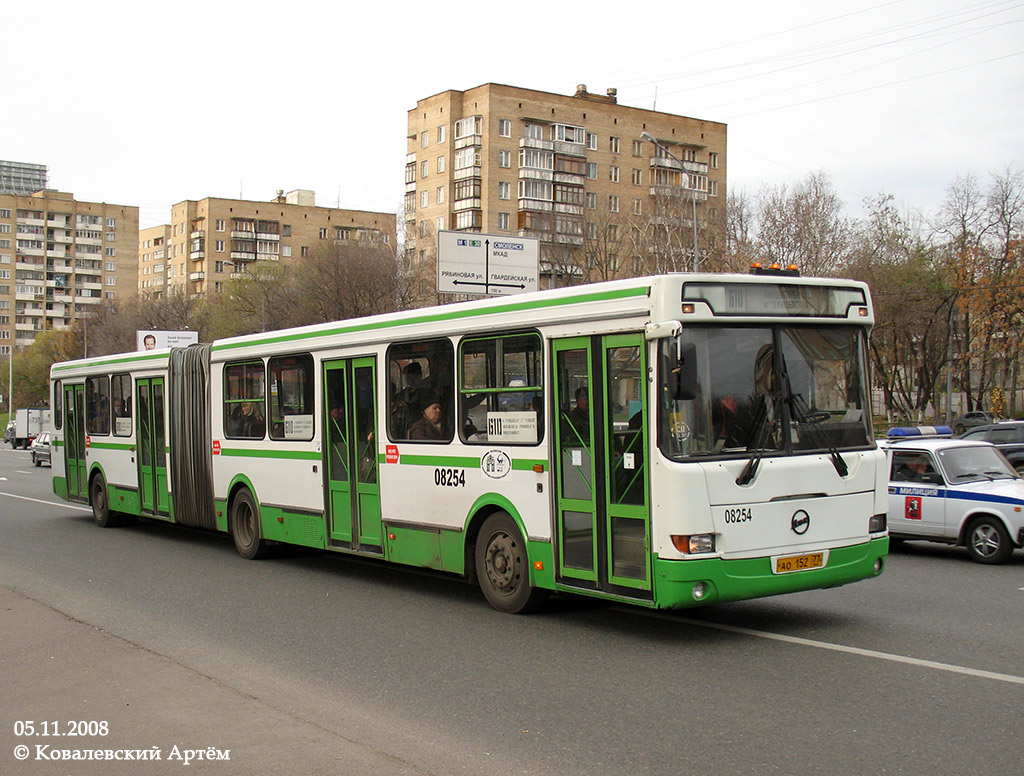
[496, 265]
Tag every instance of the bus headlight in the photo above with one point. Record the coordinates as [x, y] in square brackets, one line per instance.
[694, 544]
[699, 590]
[877, 523]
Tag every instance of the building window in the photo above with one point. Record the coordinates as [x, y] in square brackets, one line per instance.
[713, 188]
[424, 198]
[614, 144]
[424, 139]
[503, 221]
[439, 223]
[638, 148]
[613, 203]
[592, 141]
[111, 223]
[440, 195]
[713, 160]
[424, 168]
[638, 177]
[286, 251]
[569, 134]
[534, 132]
[504, 158]
[592, 170]
[504, 128]
[219, 246]
[110, 252]
[441, 133]
[286, 230]
[304, 251]
[471, 125]
[323, 232]
[591, 200]
[220, 225]
[111, 266]
[440, 164]
[613, 173]
[504, 190]
[637, 207]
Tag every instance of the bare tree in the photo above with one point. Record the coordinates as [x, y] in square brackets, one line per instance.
[342, 281]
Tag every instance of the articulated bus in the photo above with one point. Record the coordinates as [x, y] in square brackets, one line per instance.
[667, 441]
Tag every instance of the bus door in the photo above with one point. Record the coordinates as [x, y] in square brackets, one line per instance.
[152, 458]
[350, 455]
[74, 441]
[603, 514]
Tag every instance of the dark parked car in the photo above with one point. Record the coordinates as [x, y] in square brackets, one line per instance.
[41, 449]
[1008, 436]
[972, 419]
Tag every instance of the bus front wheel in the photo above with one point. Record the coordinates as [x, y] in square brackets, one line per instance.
[100, 503]
[502, 566]
[245, 527]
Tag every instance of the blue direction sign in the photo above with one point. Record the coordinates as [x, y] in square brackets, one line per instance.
[490, 264]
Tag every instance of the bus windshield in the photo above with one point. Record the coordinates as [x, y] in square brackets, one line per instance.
[766, 390]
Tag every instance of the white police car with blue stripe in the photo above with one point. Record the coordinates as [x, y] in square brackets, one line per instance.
[954, 491]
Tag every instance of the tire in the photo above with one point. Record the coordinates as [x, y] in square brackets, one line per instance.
[988, 541]
[245, 527]
[101, 512]
[36, 461]
[958, 429]
[502, 566]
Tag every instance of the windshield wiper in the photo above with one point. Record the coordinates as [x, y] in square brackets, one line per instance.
[762, 426]
[798, 408]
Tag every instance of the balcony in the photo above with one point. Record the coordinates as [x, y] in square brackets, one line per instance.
[467, 172]
[196, 275]
[268, 236]
[31, 222]
[267, 257]
[468, 140]
[243, 235]
[198, 234]
[537, 174]
[529, 142]
[197, 255]
[569, 239]
[536, 204]
[243, 256]
[473, 203]
[668, 163]
[567, 209]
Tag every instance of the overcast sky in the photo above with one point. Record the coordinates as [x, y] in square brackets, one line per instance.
[149, 104]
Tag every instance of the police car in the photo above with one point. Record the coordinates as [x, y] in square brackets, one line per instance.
[954, 491]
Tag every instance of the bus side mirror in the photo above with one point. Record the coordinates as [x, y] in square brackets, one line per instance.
[683, 381]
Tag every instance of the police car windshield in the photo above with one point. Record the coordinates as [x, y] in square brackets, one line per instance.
[975, 463]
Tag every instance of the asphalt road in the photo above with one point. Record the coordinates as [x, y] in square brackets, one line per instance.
[375, 668]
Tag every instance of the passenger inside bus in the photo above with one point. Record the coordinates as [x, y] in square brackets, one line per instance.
[429, 427]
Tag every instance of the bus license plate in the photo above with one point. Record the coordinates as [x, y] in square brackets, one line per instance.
[814, 560]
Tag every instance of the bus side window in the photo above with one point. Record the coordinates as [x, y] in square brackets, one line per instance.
[419, 376]
[97, 405]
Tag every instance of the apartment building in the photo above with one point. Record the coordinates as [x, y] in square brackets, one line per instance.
[212, 240]
[574, 171]
[60, 259]
[21, 178]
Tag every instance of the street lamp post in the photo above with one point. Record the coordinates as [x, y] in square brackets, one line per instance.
[263, 297]
[693, 191]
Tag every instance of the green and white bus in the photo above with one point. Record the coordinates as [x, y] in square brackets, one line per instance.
[666, 441]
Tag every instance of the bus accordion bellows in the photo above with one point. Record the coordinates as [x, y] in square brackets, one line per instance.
[666, 441]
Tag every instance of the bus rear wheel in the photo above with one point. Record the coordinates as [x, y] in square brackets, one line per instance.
[502, 566]
[100, 503]
[245, 527]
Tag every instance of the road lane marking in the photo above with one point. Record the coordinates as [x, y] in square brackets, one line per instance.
[913, 661]
[48, 503]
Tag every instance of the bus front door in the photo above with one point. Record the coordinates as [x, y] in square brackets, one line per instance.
[350, 455]
[74, 442]
[603, 524]
[151, 453]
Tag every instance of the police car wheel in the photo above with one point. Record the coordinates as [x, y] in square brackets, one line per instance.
[988, 541]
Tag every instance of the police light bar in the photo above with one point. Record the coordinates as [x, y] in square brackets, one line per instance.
[919, 431]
